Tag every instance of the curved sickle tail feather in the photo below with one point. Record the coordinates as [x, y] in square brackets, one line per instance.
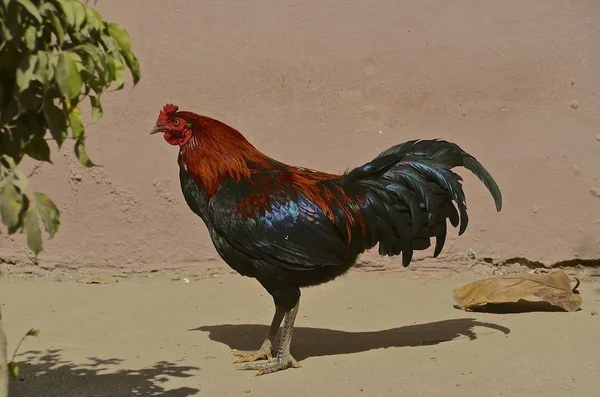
[409, 190]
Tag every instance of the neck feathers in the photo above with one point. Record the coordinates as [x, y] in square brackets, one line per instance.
[216, 152]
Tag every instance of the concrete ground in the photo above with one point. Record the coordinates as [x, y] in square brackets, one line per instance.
[365, 334]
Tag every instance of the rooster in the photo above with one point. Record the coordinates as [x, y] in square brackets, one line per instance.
[291, 227]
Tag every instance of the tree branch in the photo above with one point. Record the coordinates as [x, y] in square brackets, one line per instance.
[3, 363]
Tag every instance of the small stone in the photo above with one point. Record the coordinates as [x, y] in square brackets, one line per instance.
[595, 191]
[175, 277]
[247, 391]
[576, 170]
[472, 254]
[598, 137]
[574, 105]
[102, 279]
[186, 280]
[594, 313]
[535, 209]
[572, 81]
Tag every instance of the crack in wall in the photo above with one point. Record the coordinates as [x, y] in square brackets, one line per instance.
[532, 264]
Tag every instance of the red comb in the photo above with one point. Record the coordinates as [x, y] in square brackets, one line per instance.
[166, 112]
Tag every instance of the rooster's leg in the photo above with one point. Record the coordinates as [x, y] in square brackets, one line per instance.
[264, 352]
[284, 359]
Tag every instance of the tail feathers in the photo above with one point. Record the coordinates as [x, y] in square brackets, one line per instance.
[484, 176]
[409, 191]
[442, 152]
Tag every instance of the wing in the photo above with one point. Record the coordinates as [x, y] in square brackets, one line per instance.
[276, 222]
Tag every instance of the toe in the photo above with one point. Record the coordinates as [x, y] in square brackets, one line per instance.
[271, 366]
[249, 358]
[242, 353]
[294, 363]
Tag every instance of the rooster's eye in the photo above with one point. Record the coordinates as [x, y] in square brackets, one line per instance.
[176, 122]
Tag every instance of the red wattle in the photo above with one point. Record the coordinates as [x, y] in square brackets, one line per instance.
[171, 138]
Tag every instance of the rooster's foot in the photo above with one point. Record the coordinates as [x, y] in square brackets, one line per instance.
[244, 356]
[278, 364]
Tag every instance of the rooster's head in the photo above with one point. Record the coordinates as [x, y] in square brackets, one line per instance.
[175, 128]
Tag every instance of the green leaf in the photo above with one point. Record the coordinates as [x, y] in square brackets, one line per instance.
[91, 52]
[11, 205]
[80, 14]
[110, 45]
[76, 123]
[67, 76]
[119, 70]
[67, 7]
[20, 182]
[44, 69]
[25, 72]
[58, 28]
[6, 163]
[120, 35]
[48, 212]
[33, 332]
[96, 108]
[31, 8]
[38, 149]
[93, 18]
[82, 154]
[13, 368]
[47, 8]
[57, 122]
[30, 36]
[32, 228]
[89, 49]
[133, 65]
[5, 31]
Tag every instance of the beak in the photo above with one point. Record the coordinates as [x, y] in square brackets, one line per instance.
[155, 129]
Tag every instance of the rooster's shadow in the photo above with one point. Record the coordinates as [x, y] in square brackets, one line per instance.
[312, 342]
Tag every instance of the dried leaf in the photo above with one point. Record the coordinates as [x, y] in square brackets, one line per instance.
[554, 288]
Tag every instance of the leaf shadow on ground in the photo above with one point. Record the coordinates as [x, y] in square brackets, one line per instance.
[48, 374]
[312, 342]
[522, 306]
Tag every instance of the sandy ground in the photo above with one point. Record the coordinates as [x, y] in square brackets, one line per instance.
[365, 334]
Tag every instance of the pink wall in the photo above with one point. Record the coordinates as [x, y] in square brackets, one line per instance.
[329, 84]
